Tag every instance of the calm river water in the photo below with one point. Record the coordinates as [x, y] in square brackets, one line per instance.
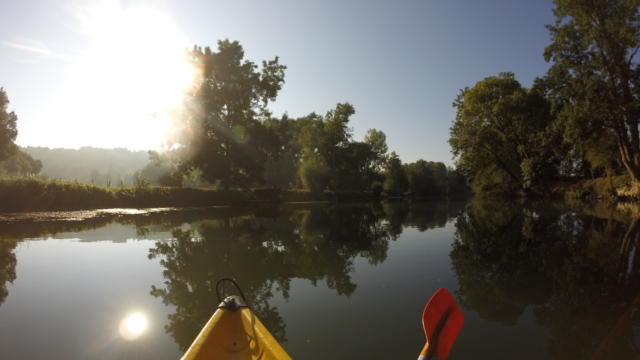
[329, 281]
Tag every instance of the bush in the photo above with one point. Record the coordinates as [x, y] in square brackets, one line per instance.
[170, 179]
[34, 194]
[376, 189]
[314, 175]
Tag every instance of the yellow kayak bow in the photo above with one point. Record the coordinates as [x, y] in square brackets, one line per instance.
[234, 332]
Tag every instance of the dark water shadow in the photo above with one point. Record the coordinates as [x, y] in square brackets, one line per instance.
[580, 275]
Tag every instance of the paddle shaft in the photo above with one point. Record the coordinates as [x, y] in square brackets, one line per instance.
[424, 352]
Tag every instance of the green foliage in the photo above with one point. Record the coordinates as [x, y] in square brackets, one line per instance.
[327, 141]
[599, 155]
[220, 133]
[20, 163]
[395, 177]
[314, 174]
[594, 76]
[376, 189]
[229, 137]
[7, 265]
[225, 135]
[281, 167]
[153, 171]
[23, 194]
[377, 140]
[170, 179]
[140, 182]
[497, 134]
[32, 193]
[8, 127]
[162, 170]
[427, 179]
[457, 186]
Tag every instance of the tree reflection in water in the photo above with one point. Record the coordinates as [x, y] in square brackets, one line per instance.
[7, 265]
[579, 273]
[263, 254]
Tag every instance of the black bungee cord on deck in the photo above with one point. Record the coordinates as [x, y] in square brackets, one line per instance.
[230, 302]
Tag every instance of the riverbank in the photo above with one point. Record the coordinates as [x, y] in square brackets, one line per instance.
[611, 189]
[34, 194]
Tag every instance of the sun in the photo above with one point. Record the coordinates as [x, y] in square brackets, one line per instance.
[133, 326]
[134, 73]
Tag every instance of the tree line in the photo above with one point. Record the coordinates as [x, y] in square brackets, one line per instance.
[580, 120]
[12, 160]
[225, 135]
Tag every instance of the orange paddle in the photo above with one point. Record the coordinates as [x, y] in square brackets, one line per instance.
[442, 320]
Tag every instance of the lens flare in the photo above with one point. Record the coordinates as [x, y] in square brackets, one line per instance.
[134, 71]
[133, 326]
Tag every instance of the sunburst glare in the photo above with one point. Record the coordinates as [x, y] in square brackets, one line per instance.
[133, 73]
[133, 326]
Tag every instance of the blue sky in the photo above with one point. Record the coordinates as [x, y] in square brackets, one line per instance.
[400, 63]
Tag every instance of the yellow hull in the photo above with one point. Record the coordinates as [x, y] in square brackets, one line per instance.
[235, 335]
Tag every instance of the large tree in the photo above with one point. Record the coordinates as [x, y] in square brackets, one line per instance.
[21, 163]
[377, 140]
[594, 78]
[219, 132]
[497, 134]
[8, 129]
[427, 178]
[330, 157]
[395, 177]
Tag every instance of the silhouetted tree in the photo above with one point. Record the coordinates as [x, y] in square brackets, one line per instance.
[8, 127]
[329, 156]
[21, 163]
[7, 266]
[498, 132]
[378, 142]
[395, 177]
[218, 133]
[427, 179]
[594, 77]
[281, 167]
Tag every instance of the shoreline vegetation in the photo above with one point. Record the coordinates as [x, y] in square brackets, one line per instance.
[34, 194]
[225, 147]
[25, 194]
[574, 134]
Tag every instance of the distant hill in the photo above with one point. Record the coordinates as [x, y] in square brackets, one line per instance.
[88, 164]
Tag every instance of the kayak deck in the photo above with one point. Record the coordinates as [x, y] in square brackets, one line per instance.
[235, 335]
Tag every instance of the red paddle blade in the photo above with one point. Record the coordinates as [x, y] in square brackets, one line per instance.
[442, 320]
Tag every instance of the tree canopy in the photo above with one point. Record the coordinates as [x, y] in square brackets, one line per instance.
[219, 132]
[228, 138]
[8, 127]
[496, 135]
[21, 163]
[594, 77]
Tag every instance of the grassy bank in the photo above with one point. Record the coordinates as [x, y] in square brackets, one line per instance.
[34, 194]
[610, 189]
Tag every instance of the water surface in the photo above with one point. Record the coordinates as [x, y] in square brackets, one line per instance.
[329, 281]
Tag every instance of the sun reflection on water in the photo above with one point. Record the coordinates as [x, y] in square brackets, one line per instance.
[133, 326]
